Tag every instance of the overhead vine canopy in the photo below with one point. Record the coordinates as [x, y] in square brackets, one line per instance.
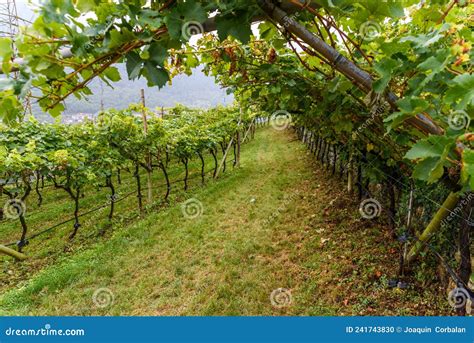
[355, 70]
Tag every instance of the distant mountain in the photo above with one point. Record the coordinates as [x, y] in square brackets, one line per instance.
[197, 90]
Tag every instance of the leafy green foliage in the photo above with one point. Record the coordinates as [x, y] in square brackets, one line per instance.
[418, 54]
[84, 154]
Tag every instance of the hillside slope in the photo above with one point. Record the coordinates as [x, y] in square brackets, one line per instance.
[277, 222]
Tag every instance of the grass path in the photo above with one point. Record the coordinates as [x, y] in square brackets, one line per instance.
[277, 222]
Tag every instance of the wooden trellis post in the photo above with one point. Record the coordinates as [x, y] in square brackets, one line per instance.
[237, 158]
[148, 158]
[350, 176]
[248, 130]
[224, 158]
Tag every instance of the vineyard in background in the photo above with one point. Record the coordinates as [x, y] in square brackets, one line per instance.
[97, 155]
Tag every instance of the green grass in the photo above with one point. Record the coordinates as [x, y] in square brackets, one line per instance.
[276, 222]
[57, 207]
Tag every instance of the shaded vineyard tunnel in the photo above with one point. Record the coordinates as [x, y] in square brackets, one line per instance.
[282, 220]
[281, 14]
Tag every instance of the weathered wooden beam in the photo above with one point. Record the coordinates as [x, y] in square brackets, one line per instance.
[342, 64]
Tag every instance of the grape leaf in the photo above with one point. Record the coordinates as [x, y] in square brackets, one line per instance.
[235, 27]
[156, 76]
[133, 65]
